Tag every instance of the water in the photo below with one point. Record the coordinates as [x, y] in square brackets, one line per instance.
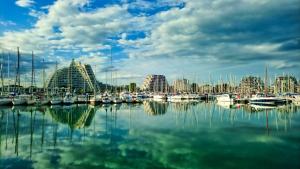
[150, 135]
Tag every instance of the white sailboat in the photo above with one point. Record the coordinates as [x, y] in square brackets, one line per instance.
[226, 98]
[69, 99]
[31, 100]
[266, 99]
[55, 99]
[20, 100]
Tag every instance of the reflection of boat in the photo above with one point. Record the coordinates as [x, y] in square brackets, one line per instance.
[262, 107]
[155, 108]
[226, 98]
[261, 99]
[226, 105]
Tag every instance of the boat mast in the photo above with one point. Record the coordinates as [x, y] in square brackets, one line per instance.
[44, 85]
[56, 83]
[95, 83]
[266, 81]
[8, 76]
[2, 80]
[17, 81]
[111, 70]
[32, 73]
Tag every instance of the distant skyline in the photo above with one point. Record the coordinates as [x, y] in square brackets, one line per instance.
[195, 39]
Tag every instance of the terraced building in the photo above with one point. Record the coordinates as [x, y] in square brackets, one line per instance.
[77, 77]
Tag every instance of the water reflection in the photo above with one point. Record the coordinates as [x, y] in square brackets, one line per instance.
[74, 116]
[182, 135]
[154, 108]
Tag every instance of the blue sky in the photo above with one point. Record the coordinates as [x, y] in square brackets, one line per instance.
[196, 39]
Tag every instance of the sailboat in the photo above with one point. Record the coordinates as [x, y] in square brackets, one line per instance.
[18, 99]
[266, 98]
[97, 98]
[31, 100]
[55, 99]
[44, 99]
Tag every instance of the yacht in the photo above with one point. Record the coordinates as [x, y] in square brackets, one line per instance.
[106, 100]
[160, 96]
[5, 100]
[126, 97]
[296, 98]
[226, 98]
[262, 99]
[55, 100]
[20, 100]
[69, 99]
[81, 99]
[95, 99]
[31, 100]
[117, 100]
[44, 101]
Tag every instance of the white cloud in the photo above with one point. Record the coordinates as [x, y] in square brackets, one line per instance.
[189, 38]
[7, 23]
[25, 3]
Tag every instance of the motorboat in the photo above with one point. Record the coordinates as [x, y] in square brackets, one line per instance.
[55, 100]
[31, 100]
[226, 98]
[44, 101]
[126, 97]
[5, 100]
[82, 99]
[117, 100]
[95, 99]
[106, 100]
[20, 100]
[262, 99]
[160, 97]
[69, 99]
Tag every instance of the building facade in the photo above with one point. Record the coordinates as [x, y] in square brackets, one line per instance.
[78, 77]
[132, 87]
[155, 83]
[285, 84]
[251, 85]
[181, 85]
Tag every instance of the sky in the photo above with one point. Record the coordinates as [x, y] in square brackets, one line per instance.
[202, 40]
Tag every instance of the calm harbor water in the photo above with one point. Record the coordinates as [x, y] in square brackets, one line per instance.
[187, 135]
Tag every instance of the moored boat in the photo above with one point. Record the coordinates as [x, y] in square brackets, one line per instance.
[262, 99]
[226, 98]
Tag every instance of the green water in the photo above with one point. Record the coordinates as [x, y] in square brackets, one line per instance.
[150, 135]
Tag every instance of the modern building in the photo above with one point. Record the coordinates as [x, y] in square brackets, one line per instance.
[285, 84]
[250, 85]
[206, 88]
[194, 88]
[155, 83]
[181, 85]
[77, 77]
[132, 87]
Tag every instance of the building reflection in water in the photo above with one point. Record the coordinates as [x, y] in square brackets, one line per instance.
[154, 108]
[74, 116]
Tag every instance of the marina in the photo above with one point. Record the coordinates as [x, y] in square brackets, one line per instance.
[141, 84]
